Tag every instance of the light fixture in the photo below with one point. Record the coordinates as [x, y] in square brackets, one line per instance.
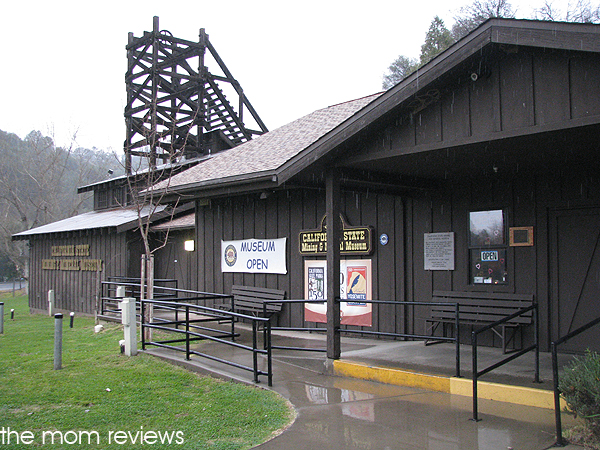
[189, 246]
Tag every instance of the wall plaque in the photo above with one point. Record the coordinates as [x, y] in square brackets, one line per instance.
[439, 251]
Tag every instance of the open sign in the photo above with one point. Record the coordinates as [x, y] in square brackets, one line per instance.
[489, 255]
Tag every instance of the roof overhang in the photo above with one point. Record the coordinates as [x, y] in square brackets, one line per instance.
[547, 35]
[486, 39]
[118, 220]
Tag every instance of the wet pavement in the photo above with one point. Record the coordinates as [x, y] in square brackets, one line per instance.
[337, 413]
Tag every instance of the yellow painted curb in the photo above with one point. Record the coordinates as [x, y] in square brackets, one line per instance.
[518, 395]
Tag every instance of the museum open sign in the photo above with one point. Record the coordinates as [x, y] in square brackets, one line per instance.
[254, 256]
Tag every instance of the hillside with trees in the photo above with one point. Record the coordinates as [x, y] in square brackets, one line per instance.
[38, 185]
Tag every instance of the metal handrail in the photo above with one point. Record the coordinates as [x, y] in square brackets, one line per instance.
[210, 314]
[554, 349]
[161, 292]
[535, 346]
[454, 339]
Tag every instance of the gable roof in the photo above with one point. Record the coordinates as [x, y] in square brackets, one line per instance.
[260, 158]
[494, 32]
[276, 157]
[122, 219]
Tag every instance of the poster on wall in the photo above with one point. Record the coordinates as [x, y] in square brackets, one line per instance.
[355, 288]
[254, 256]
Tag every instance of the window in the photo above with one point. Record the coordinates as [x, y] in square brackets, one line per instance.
[102, 197]
[487, 247]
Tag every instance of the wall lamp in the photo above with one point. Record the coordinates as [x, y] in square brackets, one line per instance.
[189, 246]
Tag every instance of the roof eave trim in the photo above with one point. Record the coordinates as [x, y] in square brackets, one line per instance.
[488, 33]
[239, 180]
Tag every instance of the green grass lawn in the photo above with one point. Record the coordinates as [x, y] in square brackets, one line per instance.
[111, 400]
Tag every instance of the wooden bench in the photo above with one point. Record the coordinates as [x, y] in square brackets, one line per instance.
[481, 308]
[251, 300]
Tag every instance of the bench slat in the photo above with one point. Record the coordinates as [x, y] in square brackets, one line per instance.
[484, 295]
[474, 317]
[252, 299]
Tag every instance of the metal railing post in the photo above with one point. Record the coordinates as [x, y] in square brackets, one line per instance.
[269, 353]
[457, 337]
[536, 333]
[187, 332]
[557, 417]
[142, 324]
[254, 350]
[474, 346]
[232, 320]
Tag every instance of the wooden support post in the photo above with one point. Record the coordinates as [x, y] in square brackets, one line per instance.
[333, 223]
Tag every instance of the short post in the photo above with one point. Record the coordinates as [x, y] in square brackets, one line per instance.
[51, 302]
[72, 319]
[58, 318]
[1, 317]
[128, 318]
[12, 314]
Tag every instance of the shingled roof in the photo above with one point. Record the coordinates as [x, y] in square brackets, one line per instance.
[261, 157]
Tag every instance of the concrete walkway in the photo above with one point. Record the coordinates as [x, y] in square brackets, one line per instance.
[340, 407]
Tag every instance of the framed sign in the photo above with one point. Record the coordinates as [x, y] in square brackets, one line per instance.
[438, 251]
[520, 236]
[355, 288]
[353, 240]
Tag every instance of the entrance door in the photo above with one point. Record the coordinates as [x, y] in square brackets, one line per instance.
[575, 265]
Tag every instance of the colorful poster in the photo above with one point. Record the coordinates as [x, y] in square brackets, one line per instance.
[355, 286]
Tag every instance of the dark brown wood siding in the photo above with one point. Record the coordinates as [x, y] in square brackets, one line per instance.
[398, 268]
[527, 91]
[285, 214]
[75, 290]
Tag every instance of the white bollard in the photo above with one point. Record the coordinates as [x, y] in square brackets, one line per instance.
[51, 302]
[128, 318]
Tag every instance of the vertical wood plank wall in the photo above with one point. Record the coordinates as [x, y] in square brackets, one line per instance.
[398, 268]
[75, 290]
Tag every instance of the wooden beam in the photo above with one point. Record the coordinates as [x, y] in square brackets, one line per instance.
[332, 208]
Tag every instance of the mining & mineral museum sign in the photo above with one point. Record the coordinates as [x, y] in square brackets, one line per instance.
[354, 240]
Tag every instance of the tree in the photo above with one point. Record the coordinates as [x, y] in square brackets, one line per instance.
[437, 39]
[38, 185]
[582, 11]
[471, 16]
[398, 70]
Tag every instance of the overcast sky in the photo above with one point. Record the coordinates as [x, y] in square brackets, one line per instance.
[63, 62]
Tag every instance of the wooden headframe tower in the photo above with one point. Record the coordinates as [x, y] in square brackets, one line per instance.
[175, 106]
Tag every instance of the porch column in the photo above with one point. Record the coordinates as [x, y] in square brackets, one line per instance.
[332, 209]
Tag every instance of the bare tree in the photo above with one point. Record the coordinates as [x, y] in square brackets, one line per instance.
[471, 16]
[581, 11]
[38, 182]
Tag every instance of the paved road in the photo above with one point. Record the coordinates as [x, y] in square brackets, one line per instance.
[8, 286]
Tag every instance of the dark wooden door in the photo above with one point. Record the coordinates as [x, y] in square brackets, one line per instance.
[575, 275]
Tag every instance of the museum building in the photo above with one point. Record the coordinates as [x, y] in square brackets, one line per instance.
[478, 173]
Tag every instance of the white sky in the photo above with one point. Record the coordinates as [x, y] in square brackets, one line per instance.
[63, 62]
